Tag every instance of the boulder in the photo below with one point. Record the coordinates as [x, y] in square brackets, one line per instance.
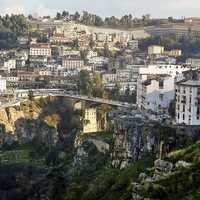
[163, 166]
[142, 176]
[182, 164]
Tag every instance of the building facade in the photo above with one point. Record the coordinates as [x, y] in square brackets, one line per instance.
[155, 93]
[40, 49]
[72, 63]
[188, 100]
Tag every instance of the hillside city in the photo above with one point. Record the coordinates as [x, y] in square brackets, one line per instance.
[96, 108]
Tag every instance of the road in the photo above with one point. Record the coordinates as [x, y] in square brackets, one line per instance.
[61, 93]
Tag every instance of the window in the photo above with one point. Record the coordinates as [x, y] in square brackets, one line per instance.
[184, 90]
[198, 111]
[161, 84]
[161, 96]
[198, 91]
[183, 99]
[183, 117]
[183, 108]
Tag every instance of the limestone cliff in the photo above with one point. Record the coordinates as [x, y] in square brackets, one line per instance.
[137, 136]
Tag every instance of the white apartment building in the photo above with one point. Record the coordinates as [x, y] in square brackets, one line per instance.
[172, 70]
[155, 92]
[102, 37]
[188, 98]
[9, 64]
[40, 49]
[133, 44]
[12, 78]
[91, 54]
[98, 61]
[109, 78]
[156, 86]
[193, 62]
[72, 64]
[65, 51]
[127, 85]
[2, 84]
[124, 75]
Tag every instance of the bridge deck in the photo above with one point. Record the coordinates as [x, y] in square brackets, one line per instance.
[60, 93]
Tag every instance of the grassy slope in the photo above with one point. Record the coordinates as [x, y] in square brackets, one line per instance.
[183, 184]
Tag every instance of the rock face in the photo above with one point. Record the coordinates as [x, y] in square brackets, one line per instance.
[131, 141]
[136, 136]
[163, 166]
[24, 122]
[101, 146]
[8, 117]
[182, 164]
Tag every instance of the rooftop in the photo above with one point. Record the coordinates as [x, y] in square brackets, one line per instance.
[41, 45]
[190, 83]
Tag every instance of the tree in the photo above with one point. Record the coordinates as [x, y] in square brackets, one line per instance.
[116, 91]
[106, 52]
[77, 16]
[170, 19]
[58, 16]
[98, 90]
[84, 83]
[65, 14]
[30, 17]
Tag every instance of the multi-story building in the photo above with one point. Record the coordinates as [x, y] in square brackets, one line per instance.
[109, 78]
[2, 84]
[98, 61]
[65, 51]
[156, 86]
[155, 50]
[193, 62]
[175, 53]
[90, 121]
[133, 44]
[171, 70]
[101, 37]
[91, 54]
[188, 99]
[59, 38]
[155, 93]
[40, 49]
[10, 64]
[72, 63]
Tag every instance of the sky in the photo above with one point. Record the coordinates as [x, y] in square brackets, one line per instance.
[156, 8]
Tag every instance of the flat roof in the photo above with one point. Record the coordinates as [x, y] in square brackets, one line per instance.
[190, 83]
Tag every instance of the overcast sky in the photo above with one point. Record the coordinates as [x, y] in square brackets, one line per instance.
[156, 8]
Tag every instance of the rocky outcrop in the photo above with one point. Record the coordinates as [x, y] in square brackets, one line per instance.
[10, 115]
[101, 146]
[132, 139]
[136, 136]
[162, 170]
[23, 122]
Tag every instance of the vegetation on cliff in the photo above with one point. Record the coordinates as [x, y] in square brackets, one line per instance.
[183, 183]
